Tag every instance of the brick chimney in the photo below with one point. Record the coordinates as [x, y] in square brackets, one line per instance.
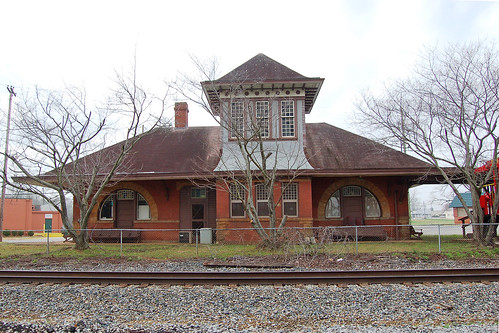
[181, 114]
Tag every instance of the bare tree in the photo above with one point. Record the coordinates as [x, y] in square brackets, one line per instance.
[251, 159]
[446, 113]
[59, 142]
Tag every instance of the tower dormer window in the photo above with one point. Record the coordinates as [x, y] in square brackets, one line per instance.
[287, 119]
[262, 118]
[236, 119]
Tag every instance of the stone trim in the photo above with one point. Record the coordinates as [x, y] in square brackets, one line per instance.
[375, 190]
[121, 186]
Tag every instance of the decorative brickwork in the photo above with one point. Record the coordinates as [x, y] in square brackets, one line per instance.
[379, 194]
[120, 186]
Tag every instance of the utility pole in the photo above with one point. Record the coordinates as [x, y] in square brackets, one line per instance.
[5, 160]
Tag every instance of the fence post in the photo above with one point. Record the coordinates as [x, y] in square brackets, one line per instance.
[197, 251]
[356, 241]
[439, 241]
[48, 241]
[121, 242]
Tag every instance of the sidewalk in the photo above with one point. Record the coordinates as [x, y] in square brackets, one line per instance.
[28, 239]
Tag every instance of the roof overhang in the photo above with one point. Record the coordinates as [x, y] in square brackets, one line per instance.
[215, 91]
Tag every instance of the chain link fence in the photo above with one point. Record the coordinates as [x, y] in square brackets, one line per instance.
[288, 243]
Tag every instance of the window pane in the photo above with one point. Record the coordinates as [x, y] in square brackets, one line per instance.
[237, 209]
[198, 193]
[287, 119]
[290, 209]
[263, 208]
[372, 205]
[197, 211]
[352, 191]
[262, 118]
[125, 195]
[237, 119]
[106, 211]
[261, 192]
[143, 211]
[333, 206]
[290, 192]
[236, 192]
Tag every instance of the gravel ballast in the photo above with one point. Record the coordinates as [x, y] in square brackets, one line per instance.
[455, 307]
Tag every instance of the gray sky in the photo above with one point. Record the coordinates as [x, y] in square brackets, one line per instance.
[353, 44]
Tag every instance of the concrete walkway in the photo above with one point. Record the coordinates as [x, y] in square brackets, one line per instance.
[27, 239]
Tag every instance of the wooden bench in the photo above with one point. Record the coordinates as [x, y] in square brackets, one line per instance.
[416, 234]
[67, 236]
[362, 233]
[114, 236]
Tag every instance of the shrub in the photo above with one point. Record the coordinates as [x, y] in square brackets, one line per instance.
[20, 232]
[31, 233]
[6, 233]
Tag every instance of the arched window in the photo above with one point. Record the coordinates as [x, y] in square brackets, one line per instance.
[370, 203]
[333, 207]
[106, 209]
[143, 210]
[125, 200]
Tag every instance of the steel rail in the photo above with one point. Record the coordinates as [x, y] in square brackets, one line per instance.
[252, 278]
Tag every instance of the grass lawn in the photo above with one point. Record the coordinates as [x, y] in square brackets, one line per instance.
[450, 247]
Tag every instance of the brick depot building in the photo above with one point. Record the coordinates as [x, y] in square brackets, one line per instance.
[344, 178]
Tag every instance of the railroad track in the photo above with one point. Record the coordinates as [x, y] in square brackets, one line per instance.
[253, 278]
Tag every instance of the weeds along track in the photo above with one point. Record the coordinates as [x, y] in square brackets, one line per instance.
[253, 278]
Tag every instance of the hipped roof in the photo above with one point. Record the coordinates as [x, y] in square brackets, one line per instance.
[331, 151]
[264, 73]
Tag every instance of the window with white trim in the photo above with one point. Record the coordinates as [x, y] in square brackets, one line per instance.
[287, 119]
[237, 196]
[290, 199]
[106, 209]
[262, 118]
[262, 200]
[143, 210]
[236, 119]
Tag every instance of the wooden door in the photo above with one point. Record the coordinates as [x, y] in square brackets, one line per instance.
[125, 214]
[353, 210]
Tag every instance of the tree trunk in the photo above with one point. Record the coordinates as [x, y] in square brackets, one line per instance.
[81, 240]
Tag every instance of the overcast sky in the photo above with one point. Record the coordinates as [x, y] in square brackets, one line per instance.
[352, 44]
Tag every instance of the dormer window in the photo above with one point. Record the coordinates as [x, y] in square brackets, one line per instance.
[236, 119]
[287, 119]
[262, 118]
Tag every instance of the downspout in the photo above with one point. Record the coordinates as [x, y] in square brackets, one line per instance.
[397, 232]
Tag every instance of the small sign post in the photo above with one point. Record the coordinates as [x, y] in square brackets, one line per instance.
[48, 229]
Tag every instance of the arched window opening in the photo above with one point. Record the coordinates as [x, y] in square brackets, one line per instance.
[333, 207]
[143, 210]
[371, 206]
[106, 209]
[125, 203]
